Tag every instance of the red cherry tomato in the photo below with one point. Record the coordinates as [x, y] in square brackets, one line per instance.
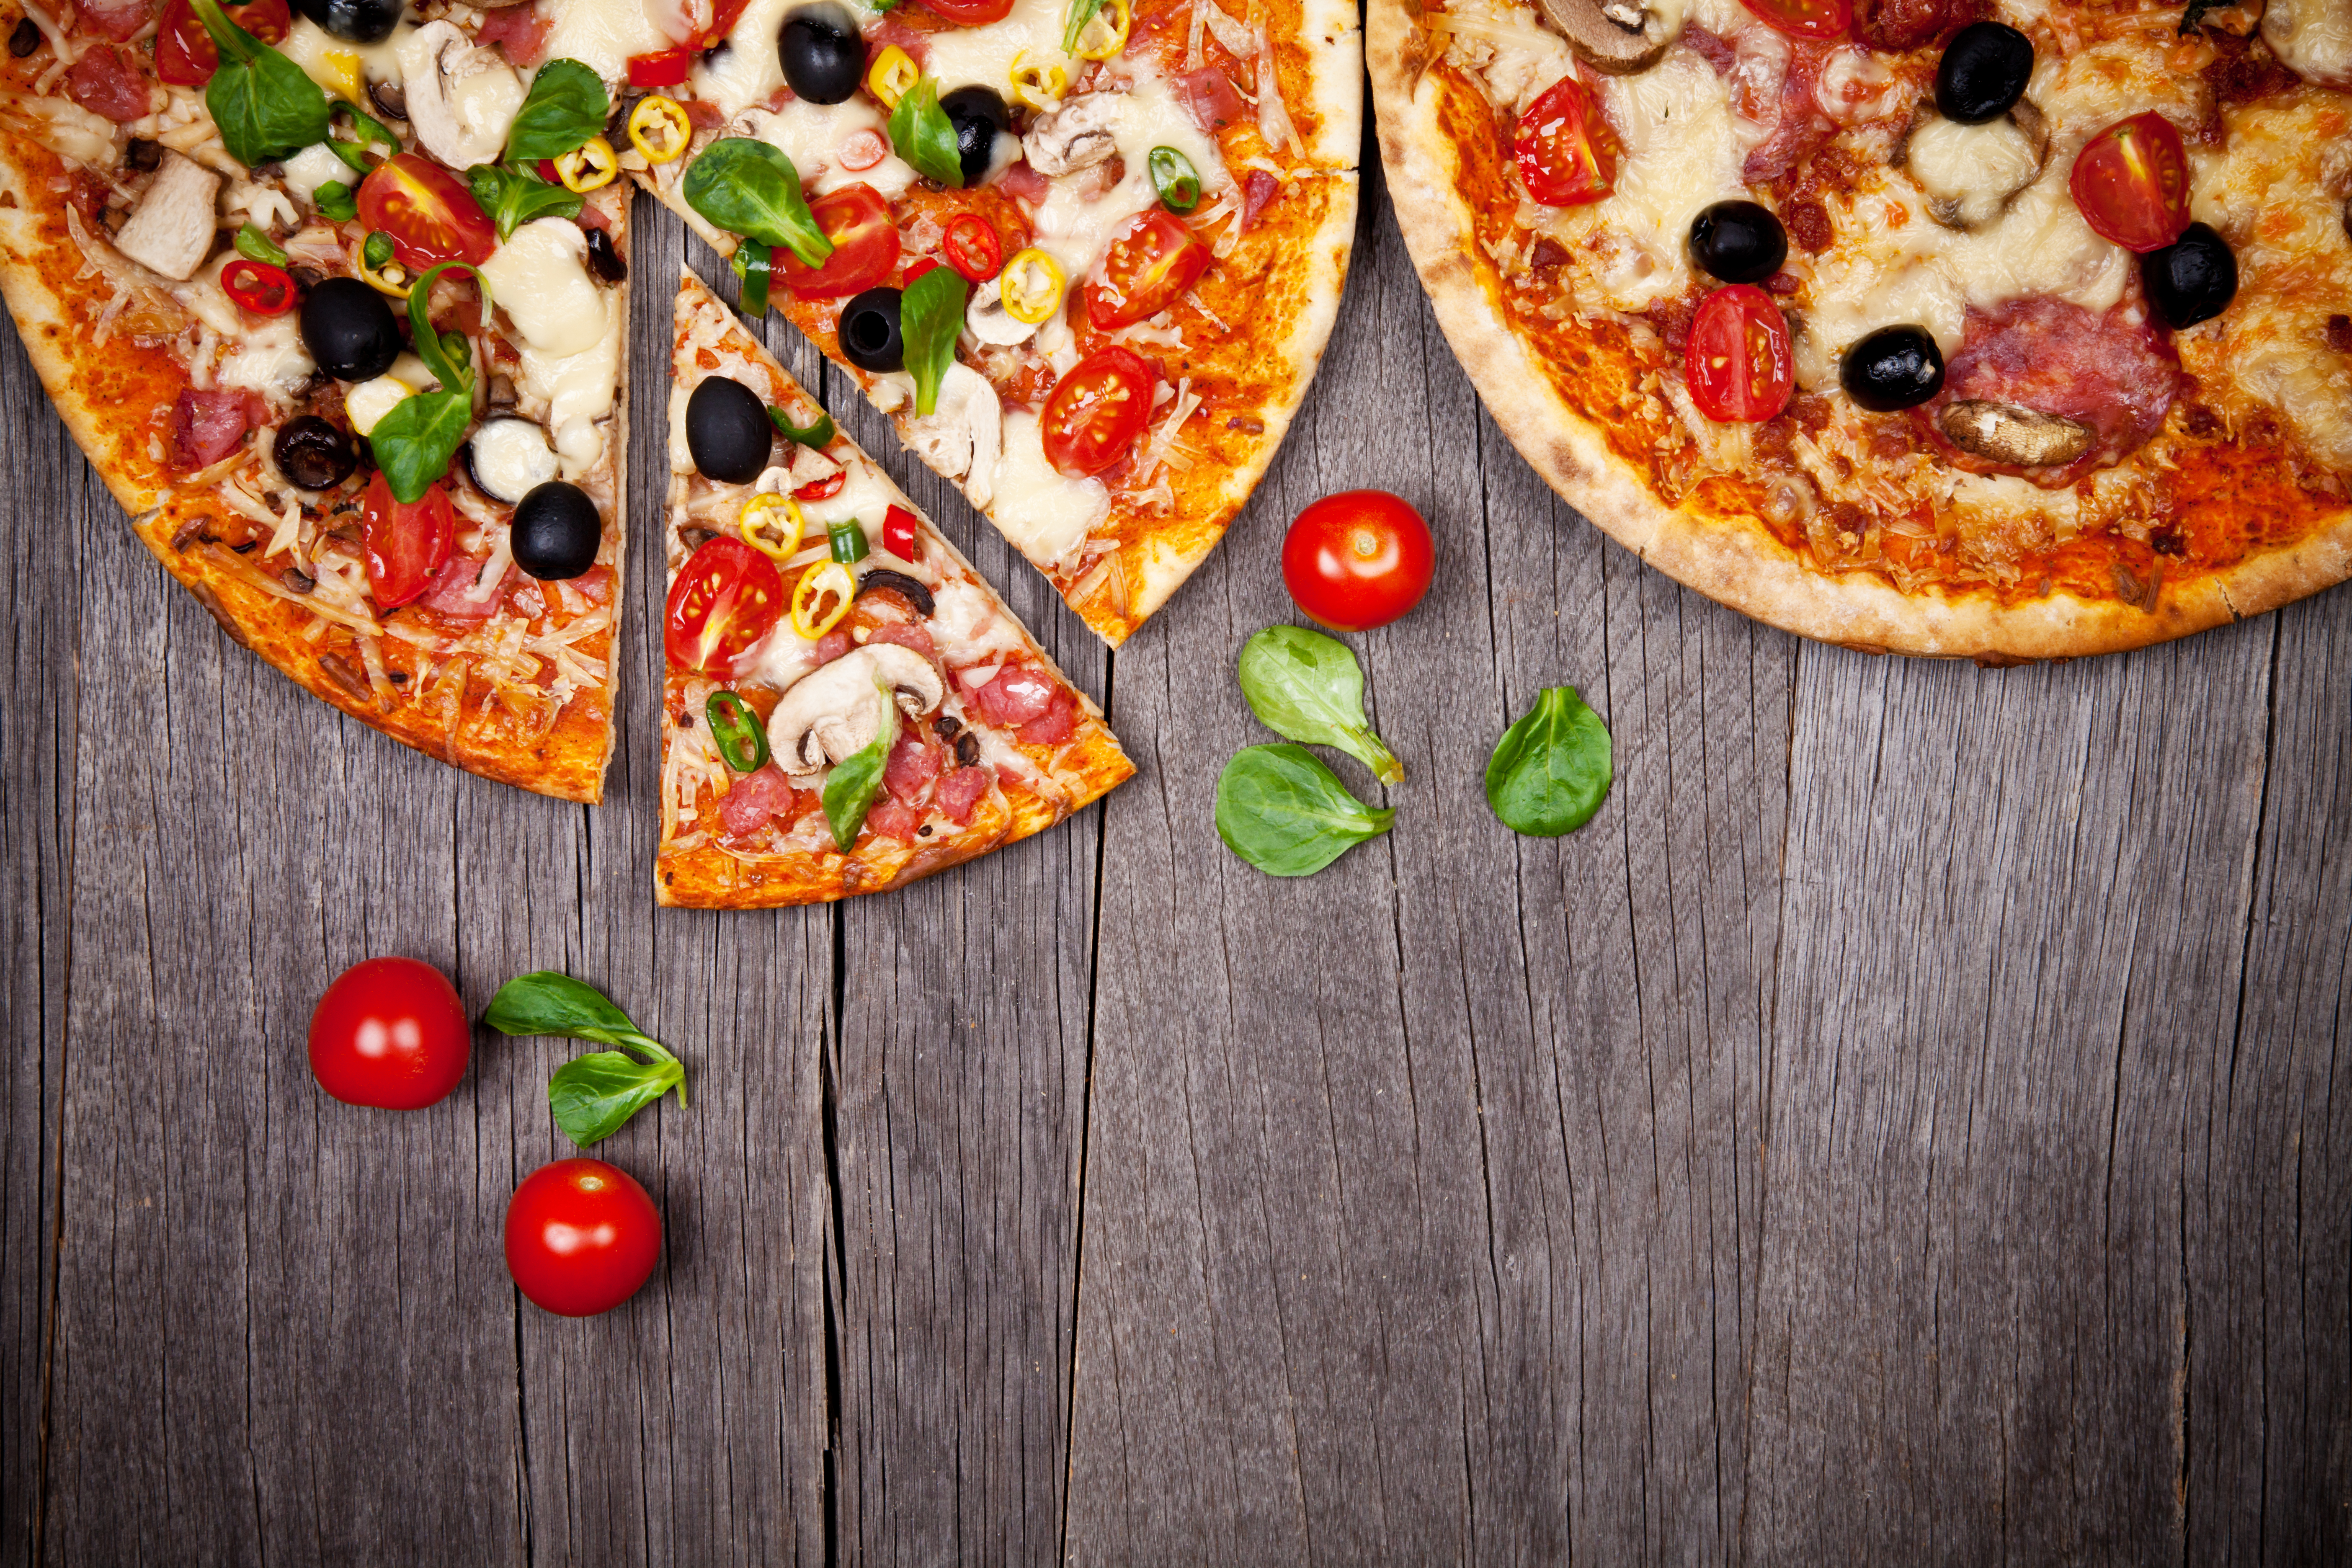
[427, 211]
[185, 55]
[1149, 266]
[727, 599]
[390, 1032]
[1738, 365]
[1806, 18]
[2131, 181]
[973, 249]
[899, 532]
[970, 13]
[581, 1237]
[1357, 560]
[405, 541]
[663, 68]
[1096, 413]
[1567, 153]
[264, 289]
[864, 245]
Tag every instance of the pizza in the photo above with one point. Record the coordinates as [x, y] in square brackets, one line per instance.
[1085, 253]
[847, 705]
[1960, 327]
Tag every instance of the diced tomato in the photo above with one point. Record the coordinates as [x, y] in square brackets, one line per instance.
[1567, 153]
[105, 82]
[1019, 693]
[864, 245]
[726, 599]
[1737, 362]
[899, 532]
[888, 819]
[960, 790]
[185, 55]
[754, 800]
[1208, 96]
[427, 211]
[1149, 265]
[451, 590]
[405, 541]
[118, 19]
[913, 764]
[1056, 724]
[1096, 413]
[2131, 181]
[664, 68]
[822, 489]
[1806, 18]
[206, 426]
[520, 30]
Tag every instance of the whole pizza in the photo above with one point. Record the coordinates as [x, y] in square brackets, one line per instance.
[1995, 328]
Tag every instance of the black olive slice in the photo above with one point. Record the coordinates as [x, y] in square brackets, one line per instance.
[1983, 73]
[556, 532]
[869, 331]
[822, 52]
[2193, 279]
[604, 259]
[1739, 242]
[1893, 368]
[349, 331]
[24, 39]
[906, 587]
[313, 454]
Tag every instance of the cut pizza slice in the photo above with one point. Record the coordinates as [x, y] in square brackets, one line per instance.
[1085, 255]
[847, 707]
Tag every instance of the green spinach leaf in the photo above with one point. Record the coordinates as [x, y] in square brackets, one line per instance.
[1551, 770]
[930, 314]
[513, 198]
[567, 104]
[1287, 815]
[750, 188]
[851, 787]
[1305, 686]
[921, 133]
[595, 1094]
[261, 102]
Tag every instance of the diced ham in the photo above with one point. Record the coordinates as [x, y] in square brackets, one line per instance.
[592, 217]
[118, 19]
[892, 820]
[703, 116]
[1208, 96]
[105, 82]
[1716, 51]
[906, 634]
[1056, 724]
[1257, 190]
[522, 29]
[832, 646]
[1025, 183]
[207, 425]
[451, 590]
[1019, 693]
[889, 30]
[914, 763]
[961, 791]
[2112, 370]
[754, 799]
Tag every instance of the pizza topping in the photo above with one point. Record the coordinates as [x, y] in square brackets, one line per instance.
[1079, 134]
[2192, 280]
[314, 453]
[171, 231]
[725, 599]
[1970, 172]
[727, 432]
[1617, 36]
[2108, 371]
[1567, 153]
[556, 531]
[405, 541]
[1152, 263]
[1983, 72]
[866, 246]
[1096, 413]
[821, 598]
[883, 579]
[366, 404]
[462, 99]
[964, 436]
[844, 707]
[822, 54]
[869, 331]
[207, 424]
[1818, 19]
[2017, 437]
[2131, 183]
[1737, 363]
[2313, 39]
[1893, 368]
[258, 287]
[507, 457]
[1739, 242]
[540, 278]
[357, 21]
[659, 129]
[427, 213]
[983, 137]
[24, 39]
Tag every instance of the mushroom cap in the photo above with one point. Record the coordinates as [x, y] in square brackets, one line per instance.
[1970, 173]
[838, 709]
[2006, 434]
[1610, 46]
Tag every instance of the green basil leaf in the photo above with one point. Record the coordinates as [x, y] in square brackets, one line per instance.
[1551, 770]
[513, 198]
[1308, 687]
[256, 245]
[754, 263]
[921, 133]
[817, 435]
[851, 786]
[335, 202]
[1287, 815]
[593, 1094]
[930, 314]
[567, 104]
[261, 102]
[545, 1002]
[1081, 12]
[750, 188]
[414, 442]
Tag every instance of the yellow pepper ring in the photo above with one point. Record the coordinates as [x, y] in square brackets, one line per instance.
[771, 524]
[589, 166]
[1113, 19]
[1031, 286]
[809, 595]
[1039, 86]
[893, 72]
[659, 129]
[391, 278]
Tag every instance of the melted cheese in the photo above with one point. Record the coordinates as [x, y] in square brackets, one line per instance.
[269, 358]
[808, 133]
[307, 45]
[540, 277]
[313, 166]
[1968, 171]
[602, 35]
[578, 388]
[970, 628]
[1045, 515]
[1682, 152]
[962, 56]
[1075, 231]
[748, 67]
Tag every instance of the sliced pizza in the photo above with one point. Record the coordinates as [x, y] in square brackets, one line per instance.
[1085, 253]
[847, 706]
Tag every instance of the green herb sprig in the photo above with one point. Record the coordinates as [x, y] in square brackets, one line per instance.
[592, 1096]
[413, 442]
[1305, 686]
[1283, 812]
[1551, 770]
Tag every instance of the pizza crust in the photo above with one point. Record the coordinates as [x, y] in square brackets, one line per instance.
[1744, 568]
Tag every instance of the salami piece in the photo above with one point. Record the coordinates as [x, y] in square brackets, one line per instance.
[2111, 372]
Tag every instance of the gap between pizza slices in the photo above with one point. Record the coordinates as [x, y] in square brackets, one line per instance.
[846, 706]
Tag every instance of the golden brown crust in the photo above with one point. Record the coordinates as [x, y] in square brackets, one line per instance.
[1744, 566]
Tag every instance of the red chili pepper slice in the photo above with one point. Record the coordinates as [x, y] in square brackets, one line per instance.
[264, 289]
[663, 68]
[824, 488]
[973, 249]
[917, 268]
[899, 532]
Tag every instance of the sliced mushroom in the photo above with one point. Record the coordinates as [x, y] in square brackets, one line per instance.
[1618, 37]
[965, 437]
[990, 322]
[1077, 135]
[2018, 436]
[389, 98]
[461, 99]
[836, 713]
[171, 230]
[2312, 38]
[1971, 172]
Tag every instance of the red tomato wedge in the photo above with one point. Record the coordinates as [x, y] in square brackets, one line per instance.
[1096, 413]
[1567, 153]
[970, 13]
[427, 211]
[1739, 363]
[664, 68]
[2131, 183]
[864, 245]
[1806, 18]
[1147, 267]
[185, 55]
[727, 599]
[405, 542]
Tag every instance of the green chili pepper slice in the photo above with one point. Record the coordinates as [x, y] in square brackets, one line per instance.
[1178, 182]
[256, 245]
[741, 739]
[820, 434]
[753, 262]
[848, 540]
[377, 251]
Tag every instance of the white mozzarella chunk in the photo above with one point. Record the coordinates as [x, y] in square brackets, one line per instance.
[269, 358]
[540, 277]
[307, 45]
[1075, 231]
[367, 403]
[578, 388]
[1969, 170]
[602, 35]
[509, 457]
[811, 135]
[313, 166]
[748, 67]
[1045, 514]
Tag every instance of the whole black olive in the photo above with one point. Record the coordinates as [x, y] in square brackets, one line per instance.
[2193, 279]
[348, 329]
[824, 57]
[360, 21]
[727, 431]
[869, 331]
[1983, 72]
[604, 260]
[1739, 242]
[556, 531]
[978, 114]
[1893, 367]
[314, 453]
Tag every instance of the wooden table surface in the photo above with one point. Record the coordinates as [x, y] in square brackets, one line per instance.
[1913, 1121]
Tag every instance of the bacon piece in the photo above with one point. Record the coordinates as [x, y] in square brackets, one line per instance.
[1019, 693]
[2114, 372]
[522, 29]
[893, 820]
[207, 425]
[449, 592]
[703, 116]
[1051, 727]
[1898, 25]
[832, 645]
[755, 798]
[118, 19]
[1258, 191]
[914, 763]
[906, 634]
[592, 217]
[1208, 96]
[1025, 183]
[104, 82]
[961, 791]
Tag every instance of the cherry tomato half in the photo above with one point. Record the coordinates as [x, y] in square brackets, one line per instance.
[1149, 266]
[864, 245]
[727, 599]
[427, 211]
[2131, 183]
[185, 55]
[1738, 365]
[1096, 413]
[664, 68]
[1567, 153]
[391, 1033]
[1806, 18]
[264, 289]
[1357, 560]
[405, 541]
[582, 1236]
[970, 13]
[973, 249]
